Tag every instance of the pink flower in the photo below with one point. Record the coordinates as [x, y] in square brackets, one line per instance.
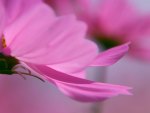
[111, 22]
[55, 48]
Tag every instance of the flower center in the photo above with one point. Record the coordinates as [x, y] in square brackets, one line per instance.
[107, 42]
[3, 42]
[7, 63]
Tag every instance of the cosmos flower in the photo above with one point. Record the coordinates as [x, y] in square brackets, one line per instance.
[45, 44]
[111, 22]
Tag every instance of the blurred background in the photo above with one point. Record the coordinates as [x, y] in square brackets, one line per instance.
[33, 96]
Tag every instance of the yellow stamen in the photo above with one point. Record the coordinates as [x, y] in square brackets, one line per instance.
[3, 42]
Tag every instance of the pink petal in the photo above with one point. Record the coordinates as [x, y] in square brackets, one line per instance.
[2, 18]
[111, 56]
[61, 46]
[80, 89]
[58, 40]
[82, 55]
[14, 32]
[2, 23]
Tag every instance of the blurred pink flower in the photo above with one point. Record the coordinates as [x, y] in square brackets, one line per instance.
[111, 22]
[40, 40]
[16, 9]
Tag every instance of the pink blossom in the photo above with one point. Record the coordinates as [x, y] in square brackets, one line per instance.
[55, 49]
[111, 22]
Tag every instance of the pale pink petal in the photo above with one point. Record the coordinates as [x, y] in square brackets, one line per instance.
[25, 24]
[58, 40]
[81, 56]
[66, 50]
[80, 89]
[111, 56]
[63, 46]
